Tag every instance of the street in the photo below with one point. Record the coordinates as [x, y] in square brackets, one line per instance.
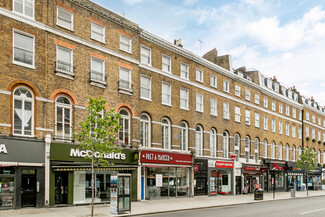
[303, 207]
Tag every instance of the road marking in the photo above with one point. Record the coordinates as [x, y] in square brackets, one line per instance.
[316, 210]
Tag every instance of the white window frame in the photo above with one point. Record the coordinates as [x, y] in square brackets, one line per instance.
[273, 150]
[142, 88]
[225, 86]
[32, 66]
[257, 99]
[24, 10]
[199, 140]
[199, 75]
[213, 107]
[226, 110]
[183, 136]
[287, 110]
[257, 120]
[184, 73]
[280, 127]
[247, 117]
[199, 102]
[294, 113]
[319, 121]
[280, 152]
[143, 56]
[125, 133]
[213, 81]
[128, 45]
[313, 133]
[165, 139]
[213, 143]
[237, 90]
[256, 149]
[265, 123]
[307, 131]
[58, 47]
[265, 148]
[225, 144]
[273, 125]
[273, 105]
[94, 33]
[58, 18]
[23, 99]
[247, 148]
[169, 96]
[293, 131]
[287, 129]
[265, 102]
[169, 65]
[307, 116]
[299, 132]
[313, 119]
[92, 71]
[145, 130]
[280, 108]
[293, 153]
[129, 82]
[237, 146]
[247, 95]
[237, 114]
[182, 99]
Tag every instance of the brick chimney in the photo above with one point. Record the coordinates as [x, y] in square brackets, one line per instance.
[222, 61]
[178, 42]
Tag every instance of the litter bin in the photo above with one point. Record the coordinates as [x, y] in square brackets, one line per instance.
[293, 193]
[258, 194]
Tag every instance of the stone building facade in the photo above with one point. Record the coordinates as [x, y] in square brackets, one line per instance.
[57, 53]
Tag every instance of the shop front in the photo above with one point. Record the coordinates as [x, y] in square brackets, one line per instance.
[21, 172]
[253, 177]
[165, 174]
[294, 176]
[70, 174]
[276, 175]
[200, 169]
[314, 179]
[220, 177]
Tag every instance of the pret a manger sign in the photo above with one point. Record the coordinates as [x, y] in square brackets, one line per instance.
[165, 158]
[220, 164]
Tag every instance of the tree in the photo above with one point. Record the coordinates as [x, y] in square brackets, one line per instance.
[98, 135]
[307, 162]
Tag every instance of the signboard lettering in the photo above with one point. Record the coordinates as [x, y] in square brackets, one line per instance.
[3, 149]
[220, 164]
[165, 158]
[88, 153]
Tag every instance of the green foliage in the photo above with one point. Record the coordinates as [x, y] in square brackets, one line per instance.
[307, 160]
[307, 138]
[98, 132]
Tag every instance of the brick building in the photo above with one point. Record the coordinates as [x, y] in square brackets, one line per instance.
[182, 112]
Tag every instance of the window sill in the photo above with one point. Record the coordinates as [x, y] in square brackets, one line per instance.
[199, 81]
[149, 100]
[213, 86]
[24, 15]
[184, 109]
[125, 91]
[165, 104]
[126, 51]
[64, 74]
[214, 115]
[199, 111]
[167, 71]
[26, 136]
[99, 84]
[23, 64]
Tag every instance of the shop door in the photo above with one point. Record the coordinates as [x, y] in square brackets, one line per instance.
[172, 182]
[201, 186]
[61, 188]
[28, 189]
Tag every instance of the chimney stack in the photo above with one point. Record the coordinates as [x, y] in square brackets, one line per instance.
[178, 42]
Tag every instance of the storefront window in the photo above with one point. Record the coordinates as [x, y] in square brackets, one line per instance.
[7, 187]
[278, 179]
[167, 182]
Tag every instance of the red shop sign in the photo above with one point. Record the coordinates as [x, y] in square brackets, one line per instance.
[223, 164]
[196, 168]
[247, 168]
[157, 157]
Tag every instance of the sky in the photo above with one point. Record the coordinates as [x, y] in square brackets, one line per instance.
[281, 38]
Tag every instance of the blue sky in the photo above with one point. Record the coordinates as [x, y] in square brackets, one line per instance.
[282, 38]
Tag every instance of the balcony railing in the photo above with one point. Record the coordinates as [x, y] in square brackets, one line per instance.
[23, 56]
[125, 85]
[97, 76]
[64, 67]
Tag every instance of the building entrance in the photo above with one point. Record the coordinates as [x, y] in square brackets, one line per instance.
[28, 188]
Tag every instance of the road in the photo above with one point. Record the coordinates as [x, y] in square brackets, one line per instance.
[302, 207]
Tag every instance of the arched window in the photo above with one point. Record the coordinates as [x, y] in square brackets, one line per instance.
[318, 156]
[145, 130]
[165, 133]
[23, 112]
[280, 151]
[124, 132]
[273, 150]
[293, 153]
[247, 148]
[183, 136]
[63, 117]
[265, 148]
[225, 144]
[213, 143]
[199, 140]
[287, 152]
[299, 152]
[237, 146]
[256, 149]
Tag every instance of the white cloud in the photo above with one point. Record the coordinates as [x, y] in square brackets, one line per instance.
[190, 2]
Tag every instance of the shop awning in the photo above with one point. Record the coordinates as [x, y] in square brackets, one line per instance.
[89, 168]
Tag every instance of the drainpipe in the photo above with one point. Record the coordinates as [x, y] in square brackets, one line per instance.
[303, 129]
[47, 169]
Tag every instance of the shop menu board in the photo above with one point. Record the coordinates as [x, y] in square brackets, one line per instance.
[113, 191]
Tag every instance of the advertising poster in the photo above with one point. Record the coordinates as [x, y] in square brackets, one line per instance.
[113, 191]
[159, 180]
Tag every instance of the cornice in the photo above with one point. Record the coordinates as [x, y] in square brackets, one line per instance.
[313, 109]
[315, 125]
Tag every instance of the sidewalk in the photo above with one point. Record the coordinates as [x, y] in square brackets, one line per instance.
[155, 206]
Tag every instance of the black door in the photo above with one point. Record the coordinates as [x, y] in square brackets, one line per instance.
[61, 188]
[201, 186]
[28, 190]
